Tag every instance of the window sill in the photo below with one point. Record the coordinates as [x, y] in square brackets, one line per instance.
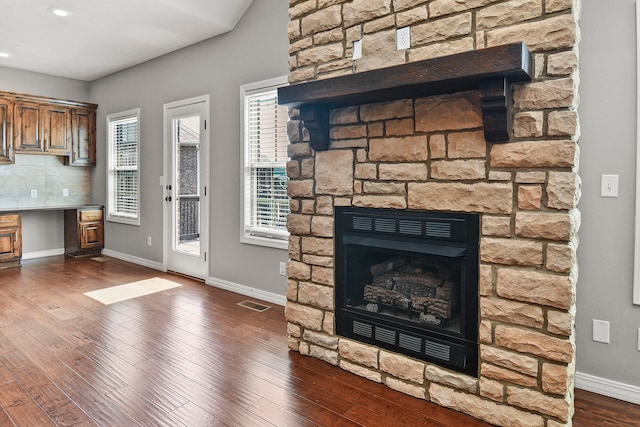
[263, 241]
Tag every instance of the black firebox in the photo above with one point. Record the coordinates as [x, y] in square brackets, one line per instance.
[407, 281]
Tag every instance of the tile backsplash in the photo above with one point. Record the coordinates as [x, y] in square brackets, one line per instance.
[49, 177]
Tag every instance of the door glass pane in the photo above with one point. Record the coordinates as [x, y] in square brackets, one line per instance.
[187, 184]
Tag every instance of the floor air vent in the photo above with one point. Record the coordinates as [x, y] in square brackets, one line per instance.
[255, 306]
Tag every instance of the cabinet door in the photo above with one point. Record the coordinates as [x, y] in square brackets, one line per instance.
[91, 235]
[28, 132]
[9, 244]
[6, 136]
[10, 237]
[83, 128]
[57, 129]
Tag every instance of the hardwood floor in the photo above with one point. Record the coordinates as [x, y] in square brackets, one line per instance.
[188, 356]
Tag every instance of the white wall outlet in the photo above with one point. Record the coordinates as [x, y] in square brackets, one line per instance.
[34, 193]
[357, 49]
[403, 38]
[148, 240]
[601, 331]
[283, 268]
[638, 339]
[609, 186]
[65, 192]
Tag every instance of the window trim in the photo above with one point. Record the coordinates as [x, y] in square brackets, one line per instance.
[111, 216]
[279, 240]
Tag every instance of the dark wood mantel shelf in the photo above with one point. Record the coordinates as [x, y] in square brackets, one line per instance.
[491, 71]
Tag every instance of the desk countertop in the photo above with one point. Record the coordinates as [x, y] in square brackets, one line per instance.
[49, 208]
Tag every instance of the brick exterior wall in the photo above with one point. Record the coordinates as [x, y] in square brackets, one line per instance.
[430, 154]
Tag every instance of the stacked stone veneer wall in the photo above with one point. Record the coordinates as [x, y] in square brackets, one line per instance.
[430, 154]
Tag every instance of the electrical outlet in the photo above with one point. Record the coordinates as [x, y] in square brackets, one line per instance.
[65, 192]
[148, 240]
[601, 331]
[403, 38]
[357, 49]
[283, 268]
[638, 339]
[34, 193]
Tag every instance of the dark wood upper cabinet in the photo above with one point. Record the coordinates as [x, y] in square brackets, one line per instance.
[6, 135]
[83, 131]
[56, 123]
[39, 125]
[28, 137]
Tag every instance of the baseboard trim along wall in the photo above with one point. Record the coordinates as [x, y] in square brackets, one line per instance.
[247, 290]
[605, 387]
[134, 259]
[43, 254]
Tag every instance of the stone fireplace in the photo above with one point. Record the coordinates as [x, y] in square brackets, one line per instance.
[471, 135]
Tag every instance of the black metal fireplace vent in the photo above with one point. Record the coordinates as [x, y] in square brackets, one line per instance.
[407, 281]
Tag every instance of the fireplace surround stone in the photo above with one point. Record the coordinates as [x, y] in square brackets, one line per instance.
[430, 153]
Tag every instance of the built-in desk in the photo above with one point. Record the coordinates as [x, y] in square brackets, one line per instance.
[83, 231]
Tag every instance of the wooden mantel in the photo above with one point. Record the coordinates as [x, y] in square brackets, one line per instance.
[491, 71]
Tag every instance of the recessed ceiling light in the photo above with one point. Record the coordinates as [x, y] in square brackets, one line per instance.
[59, 12]
[4, 55]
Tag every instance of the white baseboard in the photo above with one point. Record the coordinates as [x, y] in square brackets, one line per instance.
[134, 259]
[605, 387]
[42, 254]
[247, 290]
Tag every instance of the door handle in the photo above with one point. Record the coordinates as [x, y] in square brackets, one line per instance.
[168, 198]
[169, 187]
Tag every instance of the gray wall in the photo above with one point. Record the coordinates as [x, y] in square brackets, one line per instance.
[255, 50]
[42, 231]
[608, 146]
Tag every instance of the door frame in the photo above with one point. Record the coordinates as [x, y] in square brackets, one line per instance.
[205, 162]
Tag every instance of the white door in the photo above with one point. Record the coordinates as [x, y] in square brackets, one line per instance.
[186, 182]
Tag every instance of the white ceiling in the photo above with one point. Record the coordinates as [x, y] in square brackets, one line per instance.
[104, 36]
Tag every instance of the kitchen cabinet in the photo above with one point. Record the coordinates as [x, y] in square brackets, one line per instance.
[28, 136]
[83, 231]
[56, 123]
[10, 239]
[39, 125]
[42, 128]
[83, 131]
[6, 131]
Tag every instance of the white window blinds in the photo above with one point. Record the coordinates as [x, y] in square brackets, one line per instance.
[123, 179]
[266, 202]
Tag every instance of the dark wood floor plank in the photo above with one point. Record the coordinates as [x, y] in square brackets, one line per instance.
[20, 408]
[56, 404]
[192, 415]
[142, 409]
[187, 356]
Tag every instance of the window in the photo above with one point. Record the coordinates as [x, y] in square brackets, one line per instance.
[264, 129]
[123, 145]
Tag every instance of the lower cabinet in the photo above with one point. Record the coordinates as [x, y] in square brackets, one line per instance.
[10, 239]
[83, 231]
